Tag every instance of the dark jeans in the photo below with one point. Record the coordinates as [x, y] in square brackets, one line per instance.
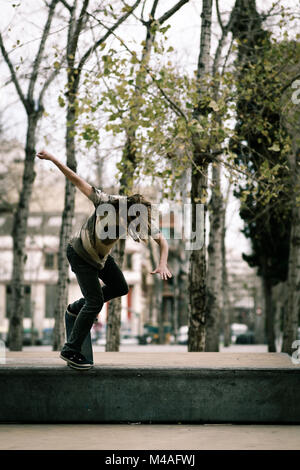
[94, 295]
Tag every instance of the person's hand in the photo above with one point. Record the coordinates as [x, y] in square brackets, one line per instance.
[44, 155]
[163, 271]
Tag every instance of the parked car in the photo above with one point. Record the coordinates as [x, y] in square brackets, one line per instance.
[237, 329]
[151, 334]
[47, 336]
[31, 337]
[245, 338]
[182, 337]
[129, 339]
[144, 339]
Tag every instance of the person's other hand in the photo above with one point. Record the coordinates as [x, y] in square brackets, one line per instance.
[44, 155]
[163, 271]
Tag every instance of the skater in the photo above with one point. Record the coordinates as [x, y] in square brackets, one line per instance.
[88, 253]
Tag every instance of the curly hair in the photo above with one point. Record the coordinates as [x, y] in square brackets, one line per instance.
[131, 200]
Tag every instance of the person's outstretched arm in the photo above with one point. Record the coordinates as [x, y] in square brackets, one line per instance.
[162, 268]
[80, 183]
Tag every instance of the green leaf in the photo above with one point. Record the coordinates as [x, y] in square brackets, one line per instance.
[61, 101]
[275, 147]
[213, 105]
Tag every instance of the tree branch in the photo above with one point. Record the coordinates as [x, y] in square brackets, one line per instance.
[106, 35]
[219, 16]
[71, 25]
[173, 105]
[153, 9]
[289, 83]
[172, 10]
[39, 55]
[264, 16]
[142, 13]
[48, 82]
[69, 7]
[225, 31]
[78, 28]
[13, 73]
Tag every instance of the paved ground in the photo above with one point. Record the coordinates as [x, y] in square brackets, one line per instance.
[149, 436]
[249, 348]
[214, 360]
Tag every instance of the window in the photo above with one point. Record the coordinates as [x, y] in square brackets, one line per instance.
[166, 232]
[54, 221]
[51, 293]
[50, 260]
[34, 221]
[27, 301]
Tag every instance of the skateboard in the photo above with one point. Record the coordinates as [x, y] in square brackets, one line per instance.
[86, 348]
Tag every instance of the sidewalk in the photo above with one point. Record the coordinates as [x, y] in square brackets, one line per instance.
[148, 437]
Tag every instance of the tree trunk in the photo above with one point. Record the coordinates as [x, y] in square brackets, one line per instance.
[225, 286]
[114, 307]
[175, 313]
[214, 271]
[19, 232]
[73, 79]
[128, 164]
[183, 300]
[197, 271]
[260, 314]
[157, 292]
[280, 301]
[73, 82]
[65, 233]
[33, 108]
[269, 315]
[291, 317]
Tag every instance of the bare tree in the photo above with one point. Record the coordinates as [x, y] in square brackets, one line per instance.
[197, 271]
[128, 162]
[225, 304]
[216, 245]
[74, 71]
[33, 106]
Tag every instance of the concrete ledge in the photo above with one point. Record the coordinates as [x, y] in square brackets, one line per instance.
[151, 388]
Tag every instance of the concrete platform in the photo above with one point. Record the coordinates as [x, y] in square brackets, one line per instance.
[151, 388]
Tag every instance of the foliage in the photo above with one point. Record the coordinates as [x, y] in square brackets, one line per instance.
[263, 145]
[156, 104]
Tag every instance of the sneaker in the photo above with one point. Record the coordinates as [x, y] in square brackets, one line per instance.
[76, 360]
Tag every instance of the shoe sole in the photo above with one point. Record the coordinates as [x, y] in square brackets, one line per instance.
[74, 365]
